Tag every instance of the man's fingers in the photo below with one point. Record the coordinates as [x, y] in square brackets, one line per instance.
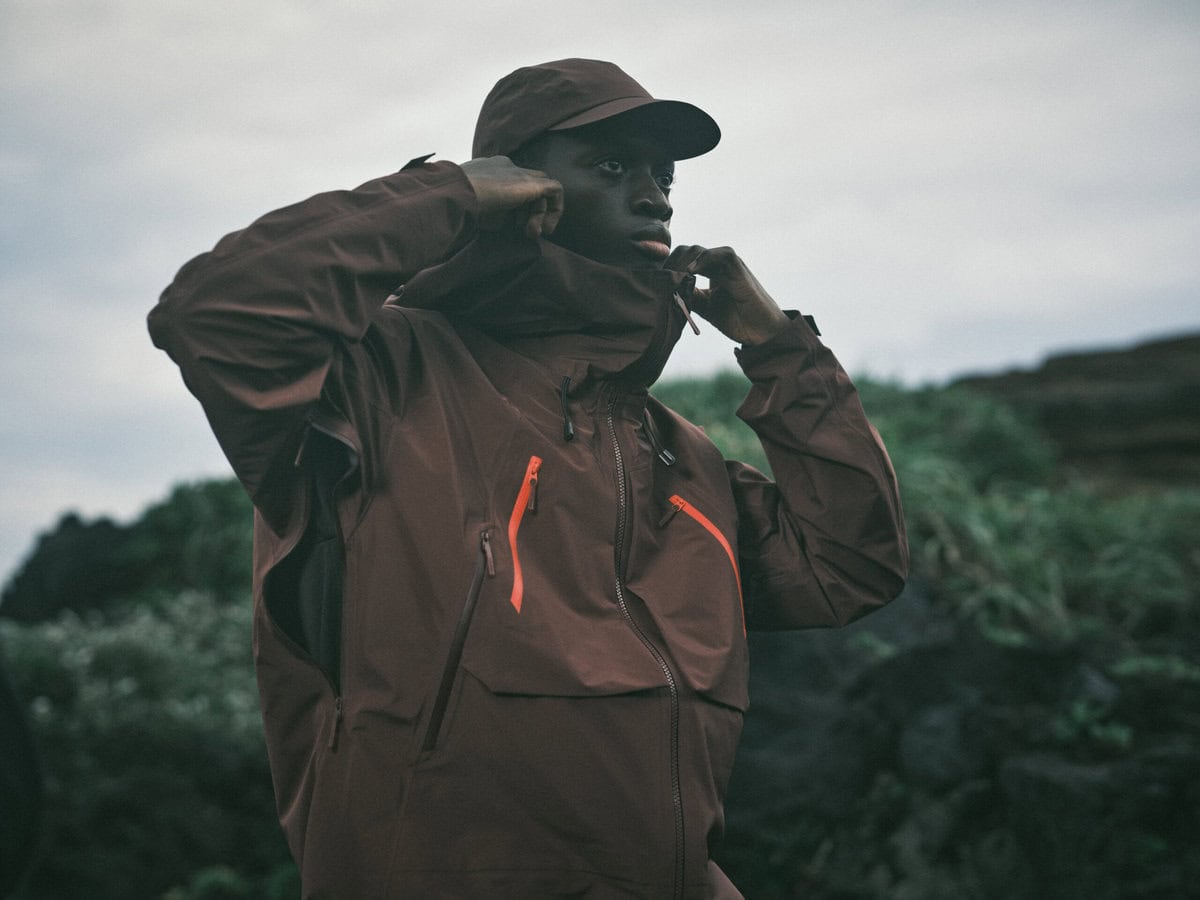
[734, 301]
[700, 302]
[510, 195]
[553, 206]
[535, 212]
[714, 262]
[683, 257]
[544, 211]
[706, 261]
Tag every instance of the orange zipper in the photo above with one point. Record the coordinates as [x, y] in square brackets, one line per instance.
[678, 504]
[526, 502]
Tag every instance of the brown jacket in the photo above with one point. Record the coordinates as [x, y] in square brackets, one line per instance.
[501, 594]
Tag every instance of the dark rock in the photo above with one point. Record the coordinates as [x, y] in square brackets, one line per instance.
[1118, 829]
[1128, 414]
[907, 756]
[1057, 810]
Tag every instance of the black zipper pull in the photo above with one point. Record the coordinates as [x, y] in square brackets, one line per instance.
[675, 507]
[485, 541]
[667, 457]
[531, 506]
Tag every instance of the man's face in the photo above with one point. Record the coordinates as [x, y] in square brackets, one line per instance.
[615, 189]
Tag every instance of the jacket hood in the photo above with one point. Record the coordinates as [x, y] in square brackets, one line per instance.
[538, 298]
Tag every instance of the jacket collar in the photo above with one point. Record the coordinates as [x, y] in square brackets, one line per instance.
[587, 320]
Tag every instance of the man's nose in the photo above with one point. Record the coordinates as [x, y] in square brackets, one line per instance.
[648, 199]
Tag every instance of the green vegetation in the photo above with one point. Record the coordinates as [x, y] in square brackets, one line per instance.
[148, 724]
[197, 539]
[998, 530]
[133, 651]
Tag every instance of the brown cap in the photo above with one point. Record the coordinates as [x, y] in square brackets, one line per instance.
[568, 93]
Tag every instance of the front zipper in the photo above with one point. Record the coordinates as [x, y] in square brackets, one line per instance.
[672, 685]
[484, 565]
[678, 504]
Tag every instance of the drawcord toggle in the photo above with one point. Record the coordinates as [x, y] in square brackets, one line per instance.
[667, 457]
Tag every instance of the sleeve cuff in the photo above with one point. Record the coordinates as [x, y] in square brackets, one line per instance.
[801, 335]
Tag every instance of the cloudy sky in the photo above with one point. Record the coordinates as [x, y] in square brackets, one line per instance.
[948, 187]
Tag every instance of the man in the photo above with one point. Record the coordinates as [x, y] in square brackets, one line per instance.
[501, 593]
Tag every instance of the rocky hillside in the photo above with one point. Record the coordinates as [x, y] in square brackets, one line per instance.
[1132, 414]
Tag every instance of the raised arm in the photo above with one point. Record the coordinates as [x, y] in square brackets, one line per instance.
[258, 324]
[825, 542]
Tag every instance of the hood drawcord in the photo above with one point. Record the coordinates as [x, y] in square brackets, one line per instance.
[667, 457]
[568, 425]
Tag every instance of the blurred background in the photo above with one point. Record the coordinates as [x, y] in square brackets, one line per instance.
[1004, 191]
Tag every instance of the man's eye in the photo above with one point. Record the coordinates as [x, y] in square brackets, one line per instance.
[613, 166]
[665, 180]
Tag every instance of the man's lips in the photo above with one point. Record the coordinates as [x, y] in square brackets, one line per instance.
[654, 248]
[654, 241]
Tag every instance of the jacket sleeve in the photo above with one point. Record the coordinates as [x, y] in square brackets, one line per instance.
[825, 542]
[278, 316]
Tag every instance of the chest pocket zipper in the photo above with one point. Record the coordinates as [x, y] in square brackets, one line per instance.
[679, 505]
[526, 502]
[485, 566]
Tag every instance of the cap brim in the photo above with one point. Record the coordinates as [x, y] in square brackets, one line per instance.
[682, 129]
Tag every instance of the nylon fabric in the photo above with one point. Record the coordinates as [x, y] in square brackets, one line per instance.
[586, 734]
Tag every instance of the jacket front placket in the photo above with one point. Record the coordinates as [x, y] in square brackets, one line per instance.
[623, 454]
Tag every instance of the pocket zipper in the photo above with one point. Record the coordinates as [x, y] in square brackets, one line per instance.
[678, 504]
[526, 502]
[485, 565]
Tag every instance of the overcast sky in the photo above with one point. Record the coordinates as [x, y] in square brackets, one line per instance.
[947, 187]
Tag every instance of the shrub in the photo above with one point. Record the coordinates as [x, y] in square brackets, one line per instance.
[147, 721]
[199, 539]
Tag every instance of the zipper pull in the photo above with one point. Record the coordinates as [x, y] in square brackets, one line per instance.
[485, 541]
[687, 313]
[533, 488]
[676, 506]
[337, 722]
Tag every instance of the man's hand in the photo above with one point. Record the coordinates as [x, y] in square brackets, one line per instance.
[512, 197]
[734, 301]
